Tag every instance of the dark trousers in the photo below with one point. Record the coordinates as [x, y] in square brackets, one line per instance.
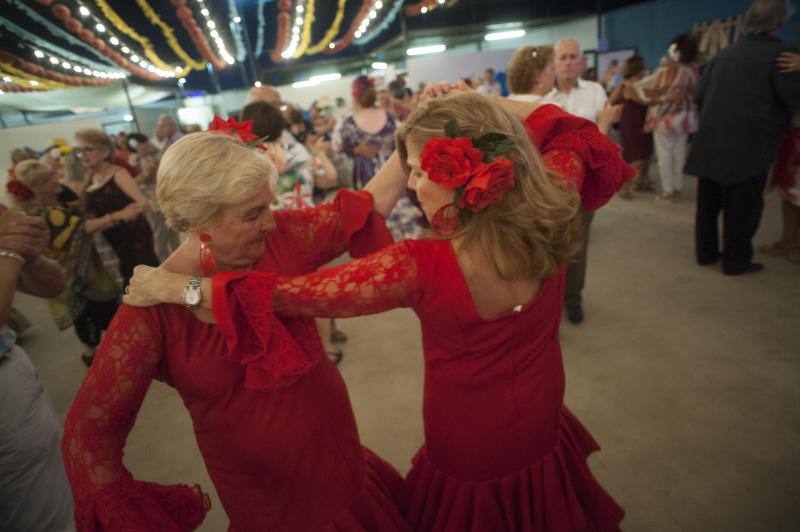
[741, 205]
[94, 320]
[576, 268]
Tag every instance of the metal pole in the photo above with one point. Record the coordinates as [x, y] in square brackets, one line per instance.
[214, 78]
[250, 55]
[600, 31]
[130, 106]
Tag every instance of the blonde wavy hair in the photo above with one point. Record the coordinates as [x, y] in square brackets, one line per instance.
[526, 65]
[537, 226]
[203, 173]
[30, 173]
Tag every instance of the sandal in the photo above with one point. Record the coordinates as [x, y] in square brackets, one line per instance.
[335, 356]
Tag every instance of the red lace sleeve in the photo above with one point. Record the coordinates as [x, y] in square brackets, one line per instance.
[579, 154]
[348, 223]
[255, 338]
[382, 281]
[107, 497]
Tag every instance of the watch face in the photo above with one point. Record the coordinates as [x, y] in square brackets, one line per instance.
[192, 297]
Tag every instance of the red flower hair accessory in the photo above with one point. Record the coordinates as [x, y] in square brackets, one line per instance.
[474, 166]
[19, 190]
[242, 130]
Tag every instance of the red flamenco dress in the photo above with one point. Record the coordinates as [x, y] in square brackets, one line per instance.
[271, 414]
[502, 452]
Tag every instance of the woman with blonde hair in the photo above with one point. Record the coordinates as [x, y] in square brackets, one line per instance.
[531, 73]
[111, 188]
[271, 415]
[93, 293]
[502, 453]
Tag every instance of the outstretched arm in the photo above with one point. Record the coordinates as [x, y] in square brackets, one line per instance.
[382, 281]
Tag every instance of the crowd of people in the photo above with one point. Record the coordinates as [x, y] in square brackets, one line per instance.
[235, 249]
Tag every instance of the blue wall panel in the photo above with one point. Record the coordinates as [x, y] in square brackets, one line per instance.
[649, 27]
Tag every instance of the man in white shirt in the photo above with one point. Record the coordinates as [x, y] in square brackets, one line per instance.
[573, 94]
[585, 99]
[490, 85]
[166, 133]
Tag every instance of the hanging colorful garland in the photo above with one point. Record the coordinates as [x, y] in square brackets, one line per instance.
[26, 81]
[75, 26]
[196, 34]
[63, 34]
[308, 20]
[169, 36]
[20, 71]
[349, 37]
[332, 32]
[238, 39]
[282, 31]
[262, 25]
[41, 74]
[387, 21]
[25, 36]
[123, 27]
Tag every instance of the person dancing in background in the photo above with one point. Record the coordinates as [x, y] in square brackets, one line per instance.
[368, 137]
[109, 189]
[93, 293]
[637, 145]
[502, 453]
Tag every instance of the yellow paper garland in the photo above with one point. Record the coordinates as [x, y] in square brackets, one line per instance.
[24, 79]
[332, 32]
[120, 24]
[169, 36]
[307, 22]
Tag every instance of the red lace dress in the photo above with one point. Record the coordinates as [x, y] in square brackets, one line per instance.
[270, 412]
[502, 453]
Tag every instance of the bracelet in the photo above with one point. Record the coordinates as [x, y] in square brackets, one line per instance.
[4, 253]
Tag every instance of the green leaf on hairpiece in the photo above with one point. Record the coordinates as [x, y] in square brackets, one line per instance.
[493, 137]
[451, 128]
[503, 147]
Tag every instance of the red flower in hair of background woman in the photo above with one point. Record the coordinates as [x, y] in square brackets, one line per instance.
[243, 130]
[488, 185]
[450, 162]
[18, 188]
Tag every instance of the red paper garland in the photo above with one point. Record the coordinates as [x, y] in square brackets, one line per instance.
[62, 12]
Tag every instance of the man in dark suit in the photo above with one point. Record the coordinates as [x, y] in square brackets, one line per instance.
[745, 107]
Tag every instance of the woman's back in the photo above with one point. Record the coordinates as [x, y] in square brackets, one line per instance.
[494, 385]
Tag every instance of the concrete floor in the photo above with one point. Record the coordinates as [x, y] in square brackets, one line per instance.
[690, 381]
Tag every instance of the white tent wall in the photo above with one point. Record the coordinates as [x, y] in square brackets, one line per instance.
[466, 60]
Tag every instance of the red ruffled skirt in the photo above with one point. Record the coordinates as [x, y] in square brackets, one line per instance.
[376, 508]
[558, 493]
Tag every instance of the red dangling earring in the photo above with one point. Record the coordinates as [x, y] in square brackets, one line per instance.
[445, 221]
[207, 261]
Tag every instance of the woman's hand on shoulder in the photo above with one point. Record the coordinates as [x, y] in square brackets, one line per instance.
[152, 286]
[435, 90]
[788, 62]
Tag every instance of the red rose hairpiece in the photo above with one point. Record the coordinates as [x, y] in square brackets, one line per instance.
[242, 130]
[19, 190]
[476, 167]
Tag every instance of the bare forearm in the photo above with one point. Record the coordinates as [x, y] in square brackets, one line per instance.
[9, 273]
[388, 185]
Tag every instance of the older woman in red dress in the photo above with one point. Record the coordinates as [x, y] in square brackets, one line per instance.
[502, 453]
[274, 425]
